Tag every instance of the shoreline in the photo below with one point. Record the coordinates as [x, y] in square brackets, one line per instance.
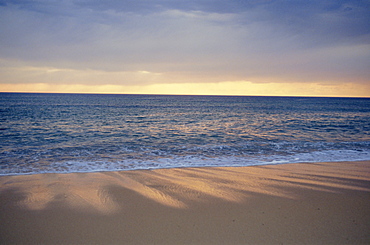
[320, 203]
[180, 167]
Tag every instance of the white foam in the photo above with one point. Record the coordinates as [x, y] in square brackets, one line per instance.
[192, 161]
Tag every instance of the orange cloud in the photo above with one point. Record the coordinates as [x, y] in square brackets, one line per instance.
[221, 88]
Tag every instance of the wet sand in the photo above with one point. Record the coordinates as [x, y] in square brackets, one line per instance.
[306, 203]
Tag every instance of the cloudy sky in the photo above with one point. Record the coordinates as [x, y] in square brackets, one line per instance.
[236, 47]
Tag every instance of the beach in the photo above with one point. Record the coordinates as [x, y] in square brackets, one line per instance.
[303, 203]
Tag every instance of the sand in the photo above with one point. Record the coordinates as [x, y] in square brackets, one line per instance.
[306, 203]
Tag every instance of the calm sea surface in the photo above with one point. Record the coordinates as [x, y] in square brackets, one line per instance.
[62, 133]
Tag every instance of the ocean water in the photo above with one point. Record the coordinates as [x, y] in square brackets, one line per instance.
[63, 133]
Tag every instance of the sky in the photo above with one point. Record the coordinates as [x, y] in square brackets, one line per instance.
[218, 47]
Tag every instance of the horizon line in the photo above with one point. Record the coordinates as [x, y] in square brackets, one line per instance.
[164, 94]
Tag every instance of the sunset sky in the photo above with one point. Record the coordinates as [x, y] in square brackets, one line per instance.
[225, 47]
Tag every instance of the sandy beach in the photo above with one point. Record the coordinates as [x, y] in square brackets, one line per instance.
[306, 203]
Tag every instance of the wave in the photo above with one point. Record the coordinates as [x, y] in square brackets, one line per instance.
[100, 165]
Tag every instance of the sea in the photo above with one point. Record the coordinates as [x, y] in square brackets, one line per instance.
[66, 133]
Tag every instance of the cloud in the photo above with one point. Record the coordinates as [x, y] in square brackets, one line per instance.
[115, 41]
[185, 42]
